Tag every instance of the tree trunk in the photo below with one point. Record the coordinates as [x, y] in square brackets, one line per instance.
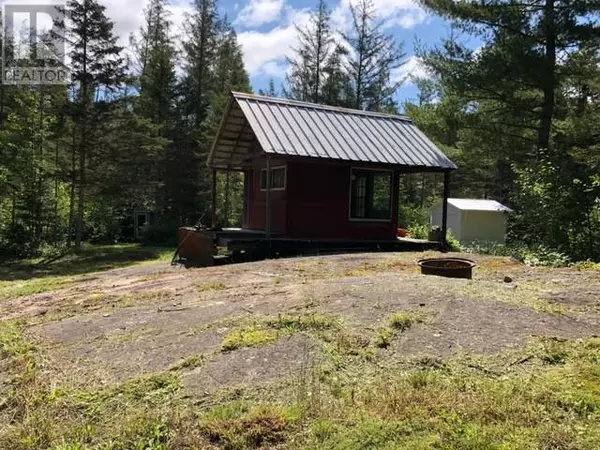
[81, 191]
[73, 184]
[82, 143]
[2, 95]
[40, 172]
[549, 76]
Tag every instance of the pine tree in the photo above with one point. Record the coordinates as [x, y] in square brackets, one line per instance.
[518, 66]
[199, 48]
[336, 87]
[373, 57]
[524, 103]
[155, 52]
[96, 63]
[271, 90]
[307, 67]
[230, 76]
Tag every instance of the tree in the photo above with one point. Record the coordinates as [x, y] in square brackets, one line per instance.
[230, 75]
[336, 89]
[199, 49]
[271, 90]
[307, 67]
[519, 66]
[96, 63]
[517, 113]
[372, 58]
[157, 80]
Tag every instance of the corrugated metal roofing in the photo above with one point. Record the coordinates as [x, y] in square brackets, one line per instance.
[467, 204]
[292, 128]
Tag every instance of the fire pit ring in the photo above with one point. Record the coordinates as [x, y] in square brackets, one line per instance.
[448, 267]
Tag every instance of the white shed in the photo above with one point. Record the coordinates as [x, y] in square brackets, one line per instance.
[474, 220]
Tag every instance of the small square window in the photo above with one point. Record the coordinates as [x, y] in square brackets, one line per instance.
[277, 179]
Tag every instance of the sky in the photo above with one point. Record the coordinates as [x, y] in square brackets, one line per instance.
[266, 30]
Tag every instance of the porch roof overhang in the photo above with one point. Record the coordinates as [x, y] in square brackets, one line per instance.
[254, 125]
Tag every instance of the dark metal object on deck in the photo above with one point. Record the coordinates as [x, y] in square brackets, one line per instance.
[448, 267]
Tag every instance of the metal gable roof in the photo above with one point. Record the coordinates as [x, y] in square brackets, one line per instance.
[467, 204]
[292, 128]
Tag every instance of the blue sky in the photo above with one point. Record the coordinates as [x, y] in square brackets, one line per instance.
[266, 30]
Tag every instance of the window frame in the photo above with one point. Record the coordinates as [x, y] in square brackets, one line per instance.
[279, 189]
[368, 169]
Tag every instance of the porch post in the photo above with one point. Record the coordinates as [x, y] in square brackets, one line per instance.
[227, 201]
[214, 198]
[445, 211]
[268, 199]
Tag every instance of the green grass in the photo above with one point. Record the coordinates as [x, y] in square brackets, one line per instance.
[397, 323]
[523, 293]
[19, 279]
[552, 403]
[267, 330]
[402, 321]
[250, 336]
[238, 425]
[544, 396]
[92, 258]
[22, 288]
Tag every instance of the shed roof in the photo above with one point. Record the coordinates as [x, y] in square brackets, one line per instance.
[292, 128]
[468, 204]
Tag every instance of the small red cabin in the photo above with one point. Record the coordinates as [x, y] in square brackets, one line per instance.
[315, 172]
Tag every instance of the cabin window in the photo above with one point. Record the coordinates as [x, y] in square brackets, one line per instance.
[277, 179]
[371, 195]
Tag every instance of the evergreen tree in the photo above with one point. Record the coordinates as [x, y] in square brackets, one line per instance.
[199, 49]
[518, 67]
[230, 76]
[336, 89]
[307, 68]
[155, 52]
[271, 90]
[373, 57]
[517, 114]
[96, 63]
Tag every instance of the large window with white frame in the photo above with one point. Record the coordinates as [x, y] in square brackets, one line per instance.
[371, 195]
[278, 180]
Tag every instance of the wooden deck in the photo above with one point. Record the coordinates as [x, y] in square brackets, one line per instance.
[251, 245]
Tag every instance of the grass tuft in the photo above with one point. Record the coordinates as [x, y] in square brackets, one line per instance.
[397, 323]
[239, 426]
[209, 286]
[402, 321]
[266, 331]
[310, 322]
[251, 336]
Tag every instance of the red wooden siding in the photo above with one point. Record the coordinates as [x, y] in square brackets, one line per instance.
[258, 200]
[316, 204]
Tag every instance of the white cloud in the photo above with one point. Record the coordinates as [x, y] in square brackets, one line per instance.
[395, 13]
[265, 52]
[259, 12]
[409, 19]
[410, 71]
[274, 69]
[128, 16]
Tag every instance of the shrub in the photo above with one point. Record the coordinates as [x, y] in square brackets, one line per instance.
[419, 232]
[413, 216]
[532, 256]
